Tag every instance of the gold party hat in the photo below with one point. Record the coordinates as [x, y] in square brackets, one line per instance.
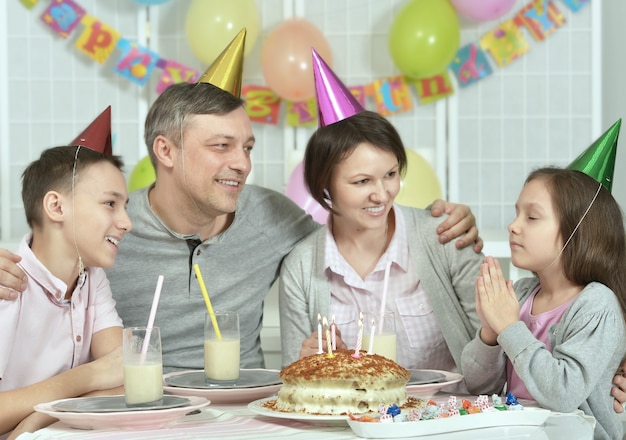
[227, 69]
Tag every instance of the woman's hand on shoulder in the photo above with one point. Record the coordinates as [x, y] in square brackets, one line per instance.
[460, 223]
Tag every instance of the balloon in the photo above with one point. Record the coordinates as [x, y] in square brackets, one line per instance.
[297, 191]
[142, 175]
[483, 10]
[150, 2]
[420, 186]
[212, 24]
[424, 37]
[286, 60]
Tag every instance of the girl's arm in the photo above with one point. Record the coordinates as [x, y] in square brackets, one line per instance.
[483, 366]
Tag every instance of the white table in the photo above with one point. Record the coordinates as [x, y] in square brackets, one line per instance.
[238, 422]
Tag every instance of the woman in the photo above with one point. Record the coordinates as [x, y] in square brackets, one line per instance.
[353, 169]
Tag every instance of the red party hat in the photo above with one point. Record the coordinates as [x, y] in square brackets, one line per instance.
[334, 101]
[97, 136]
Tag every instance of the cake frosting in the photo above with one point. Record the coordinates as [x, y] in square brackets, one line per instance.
[342, 384]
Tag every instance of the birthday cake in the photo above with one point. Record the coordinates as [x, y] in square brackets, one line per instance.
[341, 384]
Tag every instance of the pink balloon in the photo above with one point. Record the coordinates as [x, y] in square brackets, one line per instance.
[297, 191]
[482, 10]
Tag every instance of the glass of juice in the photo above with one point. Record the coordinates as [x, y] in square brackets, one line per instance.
[143, 366]
[221, 346]
[384, 333]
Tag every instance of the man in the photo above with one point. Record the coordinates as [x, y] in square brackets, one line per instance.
[198, 211]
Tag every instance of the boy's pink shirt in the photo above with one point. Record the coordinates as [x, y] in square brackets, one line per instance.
[43, 335]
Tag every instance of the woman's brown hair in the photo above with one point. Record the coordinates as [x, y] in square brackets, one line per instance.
[332, 143]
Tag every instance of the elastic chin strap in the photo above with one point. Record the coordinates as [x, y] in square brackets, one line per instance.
[81, 266]
[575, 229]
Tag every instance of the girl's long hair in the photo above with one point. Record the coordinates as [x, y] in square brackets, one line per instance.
[597, 249]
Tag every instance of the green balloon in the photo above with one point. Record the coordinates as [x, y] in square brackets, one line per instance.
[142, 175]
[424, 37]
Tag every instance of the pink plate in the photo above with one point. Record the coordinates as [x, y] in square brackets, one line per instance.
[258, 406]
[225, 395]
[426, 391]
[149, 419]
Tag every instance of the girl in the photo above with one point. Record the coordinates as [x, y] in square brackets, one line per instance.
[339, 270]
[565, 343]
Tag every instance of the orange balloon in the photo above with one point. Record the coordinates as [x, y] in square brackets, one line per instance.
[286, 60]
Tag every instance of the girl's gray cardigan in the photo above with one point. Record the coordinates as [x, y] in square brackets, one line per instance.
[588, 345]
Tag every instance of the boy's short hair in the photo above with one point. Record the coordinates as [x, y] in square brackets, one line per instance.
[53, 172]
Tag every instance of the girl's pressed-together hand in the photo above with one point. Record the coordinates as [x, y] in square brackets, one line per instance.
[496, 302]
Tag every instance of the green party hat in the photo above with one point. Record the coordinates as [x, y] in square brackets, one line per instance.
[598, 161]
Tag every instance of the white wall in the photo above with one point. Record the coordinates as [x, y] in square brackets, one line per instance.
[614, 84]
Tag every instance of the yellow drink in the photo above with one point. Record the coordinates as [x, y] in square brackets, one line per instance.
[385, 344]
[143, 383]
[221, 359]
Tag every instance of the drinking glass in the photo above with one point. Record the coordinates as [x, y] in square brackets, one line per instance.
[143, 366]
[385, 341]
[221, 346]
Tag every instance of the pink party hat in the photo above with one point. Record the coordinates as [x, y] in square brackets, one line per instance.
[334, 101]
[97, 136]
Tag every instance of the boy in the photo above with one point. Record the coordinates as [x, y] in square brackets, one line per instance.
[75, 203]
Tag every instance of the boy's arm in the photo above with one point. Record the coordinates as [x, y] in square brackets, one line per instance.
[32, 423]
[105, 341]
[101, 375]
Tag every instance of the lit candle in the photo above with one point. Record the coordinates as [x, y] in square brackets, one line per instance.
[319, 334]
[330, 354]
[333, 333]
[359, 338]
[371, 347]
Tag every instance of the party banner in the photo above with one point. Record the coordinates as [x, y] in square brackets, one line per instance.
[502, 45]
